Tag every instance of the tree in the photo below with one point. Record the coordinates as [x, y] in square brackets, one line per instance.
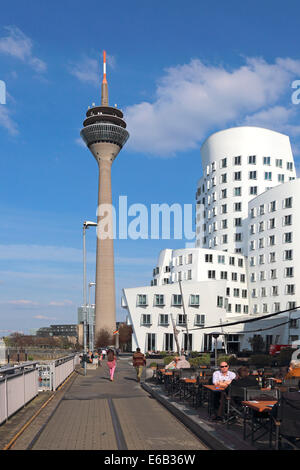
[257, 344]
[125, 334]
[104, 338]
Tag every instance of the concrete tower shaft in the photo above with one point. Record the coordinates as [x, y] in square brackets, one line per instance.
[105, 134]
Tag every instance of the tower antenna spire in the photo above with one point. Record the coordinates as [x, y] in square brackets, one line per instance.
[104, 86]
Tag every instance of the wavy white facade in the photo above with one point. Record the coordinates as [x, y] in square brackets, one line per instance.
[238, 164]
[246, 256]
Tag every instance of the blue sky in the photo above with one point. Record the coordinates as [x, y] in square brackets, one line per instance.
[179, 71]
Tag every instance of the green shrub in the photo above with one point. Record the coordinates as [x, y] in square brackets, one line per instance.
[168, 359]
[260, 360]
[163, 353]
[153, 364]
[194, 354]
[203, 360]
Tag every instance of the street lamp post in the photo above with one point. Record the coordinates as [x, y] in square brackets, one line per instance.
[215, 335]
[91, 321]
[86, 225]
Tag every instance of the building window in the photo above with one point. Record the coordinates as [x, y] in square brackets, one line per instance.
[146, 319]
[288, 255]
[211, 274]
[219, 301]
[287, 237]
[194, 300]
[267, 160]
[176, 300]
[253, 190]
[289, 166]
[223, 275]
[287, 220]
[224, 163]
[159, 300]
[271, 224]
[181, 319]
[274, 290]
[200, 320]
[273, 274]
[252, 175]
[237, 176]
[164, 319]
[287, 204]
[190, 259]
[238, 160]
[278, 162]
[289, 272]
[223, 178]
[237, 191]
[276, 307]
[151, 342]
[142, 300]
[208, 258]
[290, 289]
[252, 159]
[268, 175]
[271, 240]
[280, 178]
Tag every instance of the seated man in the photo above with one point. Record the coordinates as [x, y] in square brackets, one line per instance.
[221, 378]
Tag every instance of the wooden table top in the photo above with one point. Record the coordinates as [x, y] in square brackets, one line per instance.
[213, 388]
[260, 405]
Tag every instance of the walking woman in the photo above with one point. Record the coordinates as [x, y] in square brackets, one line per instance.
[111, 362]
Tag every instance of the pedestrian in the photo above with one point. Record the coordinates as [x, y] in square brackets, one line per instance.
[139, 361]
[111, 362]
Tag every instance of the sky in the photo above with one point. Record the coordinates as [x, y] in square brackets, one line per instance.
[179, 71]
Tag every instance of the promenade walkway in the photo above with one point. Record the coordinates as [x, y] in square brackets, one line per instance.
[96, 414]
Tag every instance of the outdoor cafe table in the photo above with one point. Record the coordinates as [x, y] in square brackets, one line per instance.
[212, 389]
[260, 414]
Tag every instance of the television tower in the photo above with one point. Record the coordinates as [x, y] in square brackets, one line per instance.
[104, 132]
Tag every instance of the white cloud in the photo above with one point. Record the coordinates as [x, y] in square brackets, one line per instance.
[6, 121]
[195, 98]
[43, 317]
[18, 45]
[63, 303]
[20, 302]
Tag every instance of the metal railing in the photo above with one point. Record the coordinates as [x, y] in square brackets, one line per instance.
[20, 384]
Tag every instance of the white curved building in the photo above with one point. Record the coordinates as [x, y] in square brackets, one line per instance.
[273, 250]
[238, 164]
[246, 256]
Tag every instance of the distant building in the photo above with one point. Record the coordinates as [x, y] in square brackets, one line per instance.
[64, 330]
[44, 332]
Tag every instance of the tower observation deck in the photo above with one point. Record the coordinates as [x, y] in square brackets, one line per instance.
[104, 132]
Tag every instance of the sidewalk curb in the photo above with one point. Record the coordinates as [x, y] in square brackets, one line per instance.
[207, 434]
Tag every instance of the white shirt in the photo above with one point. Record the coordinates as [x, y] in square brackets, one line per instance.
[219, 377]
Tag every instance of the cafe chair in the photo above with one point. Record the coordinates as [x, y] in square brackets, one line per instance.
[234, 398]
[286, 420]
[172, 383]
[260, 422]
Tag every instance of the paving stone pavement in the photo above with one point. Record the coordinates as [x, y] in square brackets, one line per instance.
[96, 414]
